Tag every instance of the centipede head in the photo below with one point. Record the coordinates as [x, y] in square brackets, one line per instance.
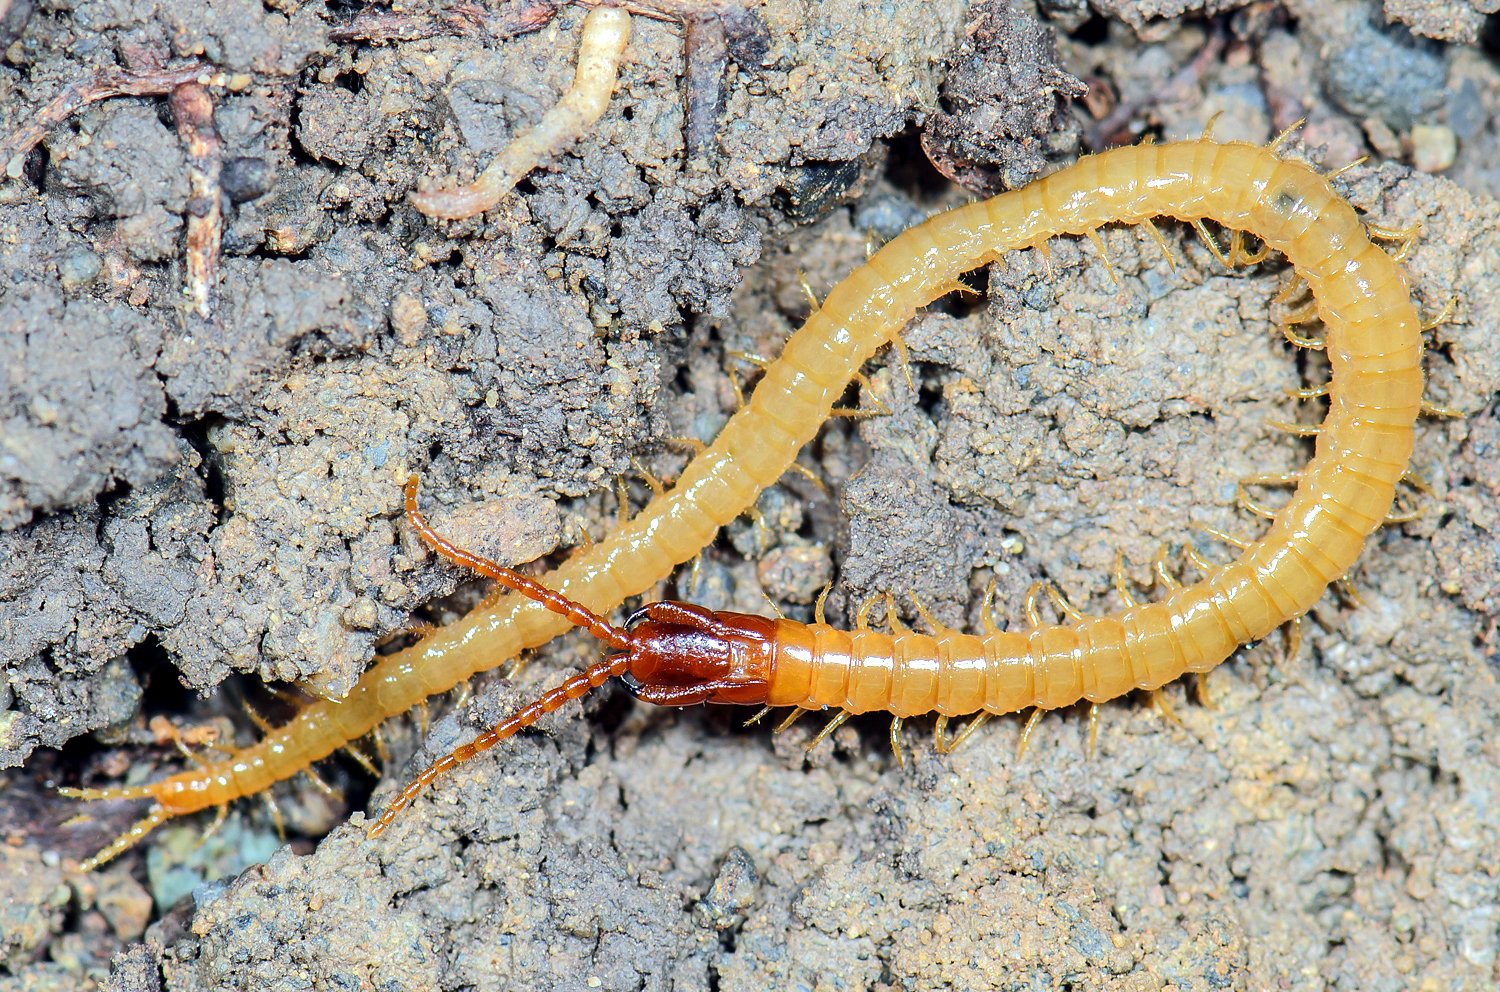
[682, 655]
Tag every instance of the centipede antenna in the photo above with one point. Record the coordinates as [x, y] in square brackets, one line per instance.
[896, 742]
[530, 588]
[828, 728]
[1093, 730]
[1281, 139]
[572, 687]
[1025, 741]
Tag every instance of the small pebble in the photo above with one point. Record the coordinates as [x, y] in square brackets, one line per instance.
[1382, 138]
[246, 178]
[732, 892]
[1433, 147]
[408, 319]
[79, 268]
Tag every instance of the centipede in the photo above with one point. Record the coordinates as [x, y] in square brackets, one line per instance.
[1374, 347]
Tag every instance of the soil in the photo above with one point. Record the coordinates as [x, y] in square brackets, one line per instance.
[199, 516]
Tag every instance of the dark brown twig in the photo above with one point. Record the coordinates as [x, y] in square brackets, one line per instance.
[375, 25]
[193, 112]
[706, 55]
[103, 84]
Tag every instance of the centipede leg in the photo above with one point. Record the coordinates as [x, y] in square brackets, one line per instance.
[360, 758]
[1161, 243]
[1093, 729]
[757, 717]
[1442, 315]
[1160, 700]
[948, 747]
[276, 816]
[829, 728]
[1433, 410]
[1121, 583]
[1200, 691]
[1291, 640]
[1098, 242]
[220, 814]
[791, 719]
[154, 818]
[321, 785]
[1025, 741]
[896, 741]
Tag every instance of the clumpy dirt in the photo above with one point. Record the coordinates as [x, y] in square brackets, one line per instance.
[212, 503]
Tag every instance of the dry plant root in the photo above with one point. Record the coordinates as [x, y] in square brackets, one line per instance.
[1374, 347]
[606, 31]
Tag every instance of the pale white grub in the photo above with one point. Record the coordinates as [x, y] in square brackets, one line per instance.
[606, 32]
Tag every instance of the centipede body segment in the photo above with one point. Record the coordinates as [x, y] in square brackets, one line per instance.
[1374, 348]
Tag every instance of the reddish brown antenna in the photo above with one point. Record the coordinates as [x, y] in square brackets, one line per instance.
[530, 588]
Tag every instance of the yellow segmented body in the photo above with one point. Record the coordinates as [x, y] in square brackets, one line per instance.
[1374, 347]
